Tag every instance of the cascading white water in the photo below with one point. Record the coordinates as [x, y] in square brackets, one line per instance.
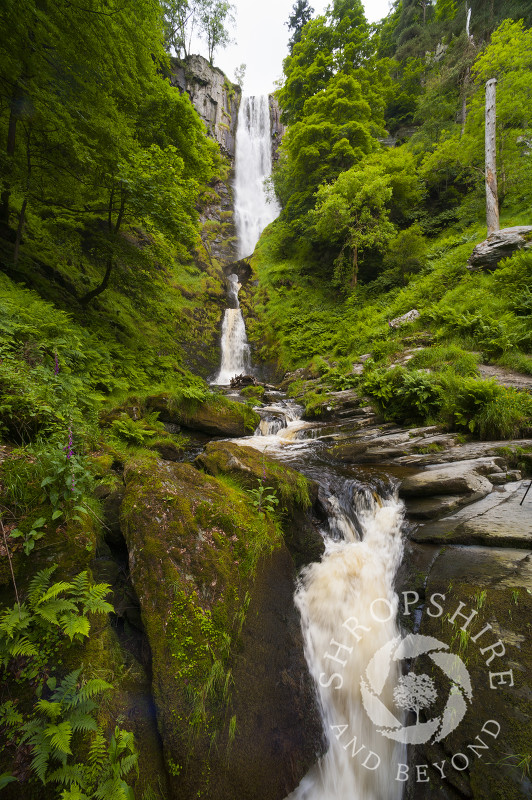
[348, 611]
[253, 163]
[234, 345]
[253, 211]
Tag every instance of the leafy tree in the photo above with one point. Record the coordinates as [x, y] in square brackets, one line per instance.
[80, 123]
[301, 14]
[240, 74]
[334, 135]
[180, 20]
[407, 252]
[357, 212]
[215, 15]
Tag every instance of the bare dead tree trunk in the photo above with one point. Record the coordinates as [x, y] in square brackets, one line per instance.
[492, 201]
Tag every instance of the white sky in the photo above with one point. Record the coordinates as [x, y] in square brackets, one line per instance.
[261, 38]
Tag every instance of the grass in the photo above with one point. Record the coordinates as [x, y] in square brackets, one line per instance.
[464, 319]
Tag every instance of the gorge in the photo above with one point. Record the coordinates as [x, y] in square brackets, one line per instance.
[315, 586]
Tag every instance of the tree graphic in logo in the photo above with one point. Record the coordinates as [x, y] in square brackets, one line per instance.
[414, 692]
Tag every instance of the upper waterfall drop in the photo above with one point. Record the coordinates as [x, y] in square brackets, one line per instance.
[254, 210]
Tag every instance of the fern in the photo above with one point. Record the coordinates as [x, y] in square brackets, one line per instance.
[50, 611]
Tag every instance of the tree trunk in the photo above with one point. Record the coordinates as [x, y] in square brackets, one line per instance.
[465, 86]
[103, 285]
[20, 228]
[492, 203]
[354, 277]
[10, 150]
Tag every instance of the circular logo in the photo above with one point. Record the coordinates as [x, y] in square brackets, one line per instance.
[415, 692]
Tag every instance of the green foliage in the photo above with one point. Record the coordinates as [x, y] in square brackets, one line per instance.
[403, 395]
[31, 536]
[263, 498]
[66, 719]
[50, 613]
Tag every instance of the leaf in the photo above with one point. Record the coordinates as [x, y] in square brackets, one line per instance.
[39, 523]
[57, 513]
[5, 779]
[60, 736]
[75, 625]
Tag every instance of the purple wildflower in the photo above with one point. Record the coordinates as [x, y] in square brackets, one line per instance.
[69, 448]
[56, 364]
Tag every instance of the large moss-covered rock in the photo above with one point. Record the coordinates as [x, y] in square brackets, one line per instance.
[195, 546]
[492, 585]
[217, 415]
[296, 493]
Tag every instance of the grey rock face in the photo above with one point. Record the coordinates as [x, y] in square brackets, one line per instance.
[498, 245]
[215, 98]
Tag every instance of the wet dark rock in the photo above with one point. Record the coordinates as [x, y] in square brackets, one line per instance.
[189, 538]
[240, 381]
[497, 520]
[493, 586]
[500, 244]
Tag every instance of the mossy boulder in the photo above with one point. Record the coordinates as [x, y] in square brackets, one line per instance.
[492, 586]
[217, 415]
[195, 547]
[296, 493]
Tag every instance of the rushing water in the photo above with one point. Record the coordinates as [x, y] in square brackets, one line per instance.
[253, 163]
[234, 344]
[348, 613]
[253, 211]
[346, 601]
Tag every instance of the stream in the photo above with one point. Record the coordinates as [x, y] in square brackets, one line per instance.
[347, 606]
[346, 602]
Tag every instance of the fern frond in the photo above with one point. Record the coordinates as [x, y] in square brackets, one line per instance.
[92, 687]
[39, 762]
[74, 793]
[67, 691]
[69, 774]
[93, 599]
[80, 584]
[39, 584]
[113, 789]
[14, 619]
[74, 625]
[52, 608]
[82, 722]
[54, 590]
[21, 647]
[51, 709]
[98, 749]
[59, 737]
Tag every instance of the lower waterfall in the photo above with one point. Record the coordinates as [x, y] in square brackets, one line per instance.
[234, 345]
[348, 611]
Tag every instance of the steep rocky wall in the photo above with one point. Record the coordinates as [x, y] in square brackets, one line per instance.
[277, 127]
[215, 98]
[217, 101]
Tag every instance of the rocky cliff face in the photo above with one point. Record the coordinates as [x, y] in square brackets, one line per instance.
[215, 98]
[217, 101]
[277, 127]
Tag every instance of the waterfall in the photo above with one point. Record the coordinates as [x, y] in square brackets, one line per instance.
[234, 345]
[348, 611]
[253, 164]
